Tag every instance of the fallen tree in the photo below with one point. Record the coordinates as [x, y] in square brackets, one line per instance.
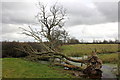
[51, 29]
[93, 63]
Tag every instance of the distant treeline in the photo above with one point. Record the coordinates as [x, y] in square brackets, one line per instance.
[76, 41]
[9, 49]
[106, 42]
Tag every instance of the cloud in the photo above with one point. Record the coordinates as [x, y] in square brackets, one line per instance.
[109, 10]
[86, 19]
[16, 37]
[92, 13]
[13, 32]
[85, 32]
[98, 31]
[79, 12]
[18, 13]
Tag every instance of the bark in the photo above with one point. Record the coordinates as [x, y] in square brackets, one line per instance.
[71, 67]
[94, 64]
[63, 56]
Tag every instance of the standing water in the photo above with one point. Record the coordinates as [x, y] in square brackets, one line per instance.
[107, 69]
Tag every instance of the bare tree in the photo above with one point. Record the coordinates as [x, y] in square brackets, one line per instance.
[51, 22]
[50, 19]
[59, 36]
[65, 36]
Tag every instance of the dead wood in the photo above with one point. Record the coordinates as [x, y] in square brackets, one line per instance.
[63, 56]
[71, 67]
[94, 63]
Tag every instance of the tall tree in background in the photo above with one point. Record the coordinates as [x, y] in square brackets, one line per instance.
[73, 41]
[51, 20]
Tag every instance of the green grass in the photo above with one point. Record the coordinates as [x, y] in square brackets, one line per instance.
[0, 68]
[86, 49]
[106, 52]
[19, 68]
[109, 58]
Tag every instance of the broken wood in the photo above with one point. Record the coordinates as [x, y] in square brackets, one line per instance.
[94, 66]
[71, 67]
[93, 63]
[63, 56]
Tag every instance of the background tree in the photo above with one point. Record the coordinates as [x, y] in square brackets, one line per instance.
[105, 41]
[51, 20]
[73, 41]
[65, 36]
[59, 37]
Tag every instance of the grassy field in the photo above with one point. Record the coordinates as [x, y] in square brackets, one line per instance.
[19, 68]
[84, 49]
[109, 58]
[107, 52]
[0, 68]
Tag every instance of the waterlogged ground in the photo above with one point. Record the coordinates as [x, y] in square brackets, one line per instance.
[29, 69]
[109, 71]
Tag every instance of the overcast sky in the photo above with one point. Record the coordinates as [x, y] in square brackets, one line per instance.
[87, 20]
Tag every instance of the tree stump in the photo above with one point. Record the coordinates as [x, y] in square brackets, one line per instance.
[94, 66]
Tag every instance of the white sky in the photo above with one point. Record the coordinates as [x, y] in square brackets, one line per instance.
[88, 20]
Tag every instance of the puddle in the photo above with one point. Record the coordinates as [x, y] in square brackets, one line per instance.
[108, 71]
